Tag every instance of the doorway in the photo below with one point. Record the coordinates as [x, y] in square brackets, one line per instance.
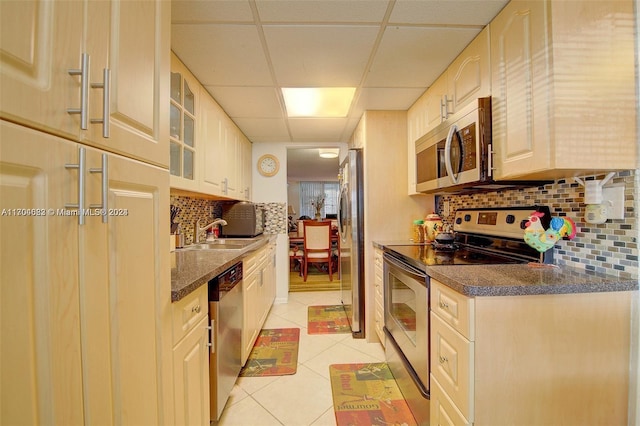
[310, 176]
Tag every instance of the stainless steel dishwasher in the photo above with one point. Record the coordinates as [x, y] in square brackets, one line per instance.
[225, 315]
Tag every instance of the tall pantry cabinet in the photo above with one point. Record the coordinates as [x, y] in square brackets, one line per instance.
[382, 136]
[84, 259]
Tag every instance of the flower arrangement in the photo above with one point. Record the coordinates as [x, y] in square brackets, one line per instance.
[318, 203]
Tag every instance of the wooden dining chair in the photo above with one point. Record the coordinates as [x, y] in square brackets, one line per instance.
[317, 246]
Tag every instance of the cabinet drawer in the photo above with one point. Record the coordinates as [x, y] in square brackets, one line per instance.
[251, 262]
[443, 411]
[379, 321]
[186, 313]
[454, 308]
[452, 364]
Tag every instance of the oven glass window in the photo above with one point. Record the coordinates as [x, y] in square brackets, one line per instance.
[402, 307]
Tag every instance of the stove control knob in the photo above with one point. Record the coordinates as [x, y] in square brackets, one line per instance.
[458, 220]
[511, 219]
[523, 223]
[467, 218]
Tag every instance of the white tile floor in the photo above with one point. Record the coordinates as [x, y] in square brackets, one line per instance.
[303, 398]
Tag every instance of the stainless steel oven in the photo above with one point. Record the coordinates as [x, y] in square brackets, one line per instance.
[407, 331]
[482, 236]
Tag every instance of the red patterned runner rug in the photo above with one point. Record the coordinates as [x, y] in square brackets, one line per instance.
[327, 319]
[367, 394]
[275, 353]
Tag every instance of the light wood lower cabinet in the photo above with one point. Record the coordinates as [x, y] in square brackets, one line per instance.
[529, 360]
[84, 321]
[191, 358]
[258, 293]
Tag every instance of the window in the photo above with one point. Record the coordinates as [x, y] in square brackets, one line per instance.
[310, 191]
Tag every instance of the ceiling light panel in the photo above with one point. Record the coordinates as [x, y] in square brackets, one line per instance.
[319, 102]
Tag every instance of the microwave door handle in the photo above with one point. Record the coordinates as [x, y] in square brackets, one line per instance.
[447, 153]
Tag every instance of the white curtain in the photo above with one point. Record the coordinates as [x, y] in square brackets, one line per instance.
[310, 191]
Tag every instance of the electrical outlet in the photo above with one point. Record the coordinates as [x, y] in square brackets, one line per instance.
[613, 200]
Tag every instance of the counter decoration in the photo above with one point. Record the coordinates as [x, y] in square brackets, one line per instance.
[541, 239]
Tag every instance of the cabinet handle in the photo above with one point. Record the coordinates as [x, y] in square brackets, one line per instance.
[225, 185]
[246, 193]
[83, 72]
[443, 359]
[490, 167]
[444, 305]
[105, 188]
[81, 170]
[196, 309]
[212, 336]
[446, 103]
[106, 94]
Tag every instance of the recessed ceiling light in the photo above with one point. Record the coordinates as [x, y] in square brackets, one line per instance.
[329, 152]
[318, 101]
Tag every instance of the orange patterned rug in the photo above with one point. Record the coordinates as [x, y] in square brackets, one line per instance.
[327, 319]
[275, 353]
[367, 394]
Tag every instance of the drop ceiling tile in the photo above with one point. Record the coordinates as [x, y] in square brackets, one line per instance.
[416, 56]
[264, 129]
[184, 11]
[321, 11]
[248, 101]
[317, 55]
[388, 99]
[222, 55]
[450, 12]
[317, 129]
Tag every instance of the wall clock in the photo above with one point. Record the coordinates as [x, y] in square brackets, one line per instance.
[268, 165]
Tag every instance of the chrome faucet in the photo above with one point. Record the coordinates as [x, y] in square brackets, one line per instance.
[197, 229]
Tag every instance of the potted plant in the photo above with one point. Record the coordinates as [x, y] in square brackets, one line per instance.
[318, 203]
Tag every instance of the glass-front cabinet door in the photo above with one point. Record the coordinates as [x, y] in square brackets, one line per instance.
[183, 145]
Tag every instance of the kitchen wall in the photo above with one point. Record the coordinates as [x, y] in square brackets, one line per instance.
[192, 209]
[611, 247]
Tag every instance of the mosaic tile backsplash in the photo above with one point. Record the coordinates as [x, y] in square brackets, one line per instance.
[611, 247]
[192, 209]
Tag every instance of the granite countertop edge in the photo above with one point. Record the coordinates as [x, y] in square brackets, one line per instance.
[522, 279]
[193, 268]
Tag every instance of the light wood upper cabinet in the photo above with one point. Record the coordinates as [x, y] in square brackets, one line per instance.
[86, 339]
[186, 144]
[563, 88]
[218, 154]
[42, 41]
[246, 171]
[39, 297]
[466, 79]
[126, 294]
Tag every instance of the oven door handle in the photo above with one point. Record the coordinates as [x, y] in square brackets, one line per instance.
[407, 269]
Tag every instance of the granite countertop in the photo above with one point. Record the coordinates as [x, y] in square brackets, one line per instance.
[516, 280]
[521, 279]
[191, 269]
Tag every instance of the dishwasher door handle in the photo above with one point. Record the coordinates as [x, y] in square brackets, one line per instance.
[212, 336]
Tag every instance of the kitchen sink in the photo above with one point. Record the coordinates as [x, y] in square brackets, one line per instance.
[221, 244]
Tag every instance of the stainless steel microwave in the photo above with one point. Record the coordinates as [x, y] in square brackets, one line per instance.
[456, 155]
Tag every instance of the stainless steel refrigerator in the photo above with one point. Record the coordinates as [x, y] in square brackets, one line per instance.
[351, 228]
